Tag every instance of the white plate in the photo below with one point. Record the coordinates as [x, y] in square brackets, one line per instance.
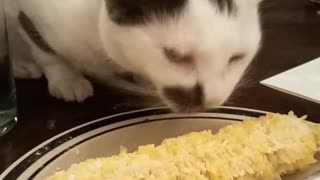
[104, 137]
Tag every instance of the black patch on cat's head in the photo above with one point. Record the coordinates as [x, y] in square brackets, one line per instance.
[185, 98]
[227, 6]
[134, 12]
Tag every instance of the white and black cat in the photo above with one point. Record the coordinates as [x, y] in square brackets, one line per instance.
[193, 52]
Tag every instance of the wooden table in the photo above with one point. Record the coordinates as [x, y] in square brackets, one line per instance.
[291, 37]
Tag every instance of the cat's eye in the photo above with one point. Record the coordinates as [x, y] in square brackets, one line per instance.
[236, 58]
[175, 57]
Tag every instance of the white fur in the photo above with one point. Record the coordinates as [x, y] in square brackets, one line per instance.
[83, 35]
[212, 37]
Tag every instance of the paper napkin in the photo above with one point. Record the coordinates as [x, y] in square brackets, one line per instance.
[302, 81]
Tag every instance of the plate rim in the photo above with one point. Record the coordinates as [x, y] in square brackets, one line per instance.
[15, 164]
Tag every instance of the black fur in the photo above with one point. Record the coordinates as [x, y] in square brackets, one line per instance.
[126, 76]
[135, 12]
[33, 33]
[185, 98]
[227, 6]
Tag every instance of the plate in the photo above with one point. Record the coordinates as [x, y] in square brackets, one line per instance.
[103, 137]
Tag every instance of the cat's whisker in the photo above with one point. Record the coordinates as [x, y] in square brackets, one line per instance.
[133, 88]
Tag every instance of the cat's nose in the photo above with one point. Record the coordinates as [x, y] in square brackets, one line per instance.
[186, 99]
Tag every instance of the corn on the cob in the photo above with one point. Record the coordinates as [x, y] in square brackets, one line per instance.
[263, 148]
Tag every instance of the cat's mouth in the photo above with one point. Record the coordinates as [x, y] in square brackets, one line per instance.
[178, 101]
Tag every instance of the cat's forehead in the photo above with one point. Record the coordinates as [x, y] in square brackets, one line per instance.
[132, 12]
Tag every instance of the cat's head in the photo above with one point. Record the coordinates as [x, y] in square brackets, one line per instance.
[193, 51]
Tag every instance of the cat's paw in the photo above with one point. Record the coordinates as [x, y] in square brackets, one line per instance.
[76, 89]
[26, 70]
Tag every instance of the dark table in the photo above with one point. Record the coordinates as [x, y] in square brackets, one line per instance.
[291, 38]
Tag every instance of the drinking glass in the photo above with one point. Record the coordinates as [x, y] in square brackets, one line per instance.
[8, 103]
